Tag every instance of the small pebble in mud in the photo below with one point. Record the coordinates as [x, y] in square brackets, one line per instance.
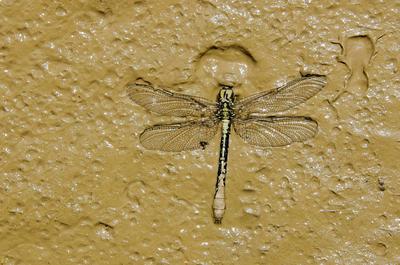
[381, 185]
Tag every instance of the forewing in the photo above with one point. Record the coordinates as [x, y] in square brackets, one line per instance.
[275, 131]
[165, 102]
[281, 98]
[177, 137]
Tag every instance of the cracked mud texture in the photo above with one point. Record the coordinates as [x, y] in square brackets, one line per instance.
[76, 187]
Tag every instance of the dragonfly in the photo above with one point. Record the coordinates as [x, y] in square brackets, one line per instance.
[255, 119]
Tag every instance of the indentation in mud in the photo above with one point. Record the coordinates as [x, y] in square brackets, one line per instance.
[379, 248]
[104, 231]
[228, 65]
[357, 52]
[134, 192]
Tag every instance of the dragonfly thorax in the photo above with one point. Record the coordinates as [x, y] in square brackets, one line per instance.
[226, 99]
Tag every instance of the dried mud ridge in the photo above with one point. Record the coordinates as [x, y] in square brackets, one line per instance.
[238, 48]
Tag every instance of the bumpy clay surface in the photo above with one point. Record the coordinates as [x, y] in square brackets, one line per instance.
[76, 187]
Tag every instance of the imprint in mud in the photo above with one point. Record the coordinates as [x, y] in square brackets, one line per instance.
[227, 65]
[357, 52]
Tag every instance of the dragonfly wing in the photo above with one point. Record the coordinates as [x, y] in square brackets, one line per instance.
[165, 102]
[281, 98]
[275, 131]
[177, 137]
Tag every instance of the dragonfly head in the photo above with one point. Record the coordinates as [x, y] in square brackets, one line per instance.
[226, 94]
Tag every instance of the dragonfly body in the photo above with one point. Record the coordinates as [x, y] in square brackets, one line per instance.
[253, 119]
[225, 113]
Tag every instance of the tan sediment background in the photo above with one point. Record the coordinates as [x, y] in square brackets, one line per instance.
[76, 187]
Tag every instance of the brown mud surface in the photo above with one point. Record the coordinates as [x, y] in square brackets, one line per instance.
[76, 186]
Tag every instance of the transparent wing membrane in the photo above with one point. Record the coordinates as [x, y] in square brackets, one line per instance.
[164, 102]
[282, 98]
[275, 131]
[176, 137]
